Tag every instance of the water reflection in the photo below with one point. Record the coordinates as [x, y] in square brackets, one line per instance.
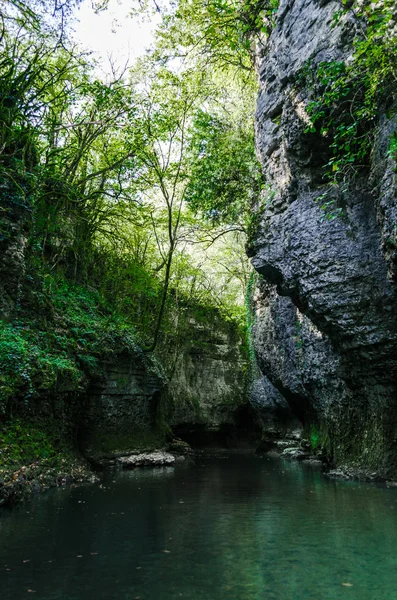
[235, 527]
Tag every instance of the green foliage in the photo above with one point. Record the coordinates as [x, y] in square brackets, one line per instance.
[23, 442]
[58, 354]
[220, 32]
[86, 323]
[226, 175]
[350, 132]
[314, 438]
[111, 180]
[348, 98]
[27, 367]
[40, 449]
[254, 371]
[320, 441]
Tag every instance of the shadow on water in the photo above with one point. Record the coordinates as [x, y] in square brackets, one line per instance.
[230, 527]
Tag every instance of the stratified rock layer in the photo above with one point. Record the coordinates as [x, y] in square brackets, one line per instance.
[326, 309]
[207, 381]
[121, 409]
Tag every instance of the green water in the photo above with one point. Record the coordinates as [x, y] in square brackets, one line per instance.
[232, 527]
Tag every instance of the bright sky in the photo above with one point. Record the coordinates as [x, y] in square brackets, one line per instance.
[113, 32]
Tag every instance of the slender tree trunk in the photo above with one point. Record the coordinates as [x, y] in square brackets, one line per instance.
[160, 314]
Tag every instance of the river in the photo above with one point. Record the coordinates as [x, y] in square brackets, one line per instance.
[230, 527]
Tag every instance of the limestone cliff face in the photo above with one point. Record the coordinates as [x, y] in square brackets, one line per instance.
[207, 383]
[326, 309]
[206, 398]
[203, 397]
[276, 418]
[122, 408]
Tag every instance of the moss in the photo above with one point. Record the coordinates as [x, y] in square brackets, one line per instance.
[193, 401]
[23, 442]
[232, 318]
[36, 455]
[320, 441]
[314, 439]
[60, 353]
[28, 366]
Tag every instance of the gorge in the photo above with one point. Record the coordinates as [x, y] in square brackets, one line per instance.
[198, 324]
[93, 280]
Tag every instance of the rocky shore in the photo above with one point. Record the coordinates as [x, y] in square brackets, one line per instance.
[299, 449]
[21, 484]
[18, 485]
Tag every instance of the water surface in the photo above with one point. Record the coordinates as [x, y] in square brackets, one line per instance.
[231, 527]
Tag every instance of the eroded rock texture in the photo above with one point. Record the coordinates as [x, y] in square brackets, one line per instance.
[214, 394]
[207, 381]
[326, 308]
[121, 409]
[277, 420]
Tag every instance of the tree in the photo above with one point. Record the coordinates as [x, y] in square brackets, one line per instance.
[225, 176]
[217, 32]
[129, 183]
[161, 128]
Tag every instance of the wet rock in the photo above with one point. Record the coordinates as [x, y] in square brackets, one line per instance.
[283, 444]
[146, 459]
[275, 415]
[287, 448]
[354, 472]
[294, 453]
[206, 380]
[120, 410]
[19, 485]
[337, 474]
[178, 446]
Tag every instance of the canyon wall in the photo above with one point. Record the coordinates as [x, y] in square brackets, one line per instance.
[326, 318]
[122, 409]
[207, 371]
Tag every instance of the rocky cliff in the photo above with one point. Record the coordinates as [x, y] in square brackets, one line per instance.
[208, 396]
[122, 408]
[326, 321]
[207, 371]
